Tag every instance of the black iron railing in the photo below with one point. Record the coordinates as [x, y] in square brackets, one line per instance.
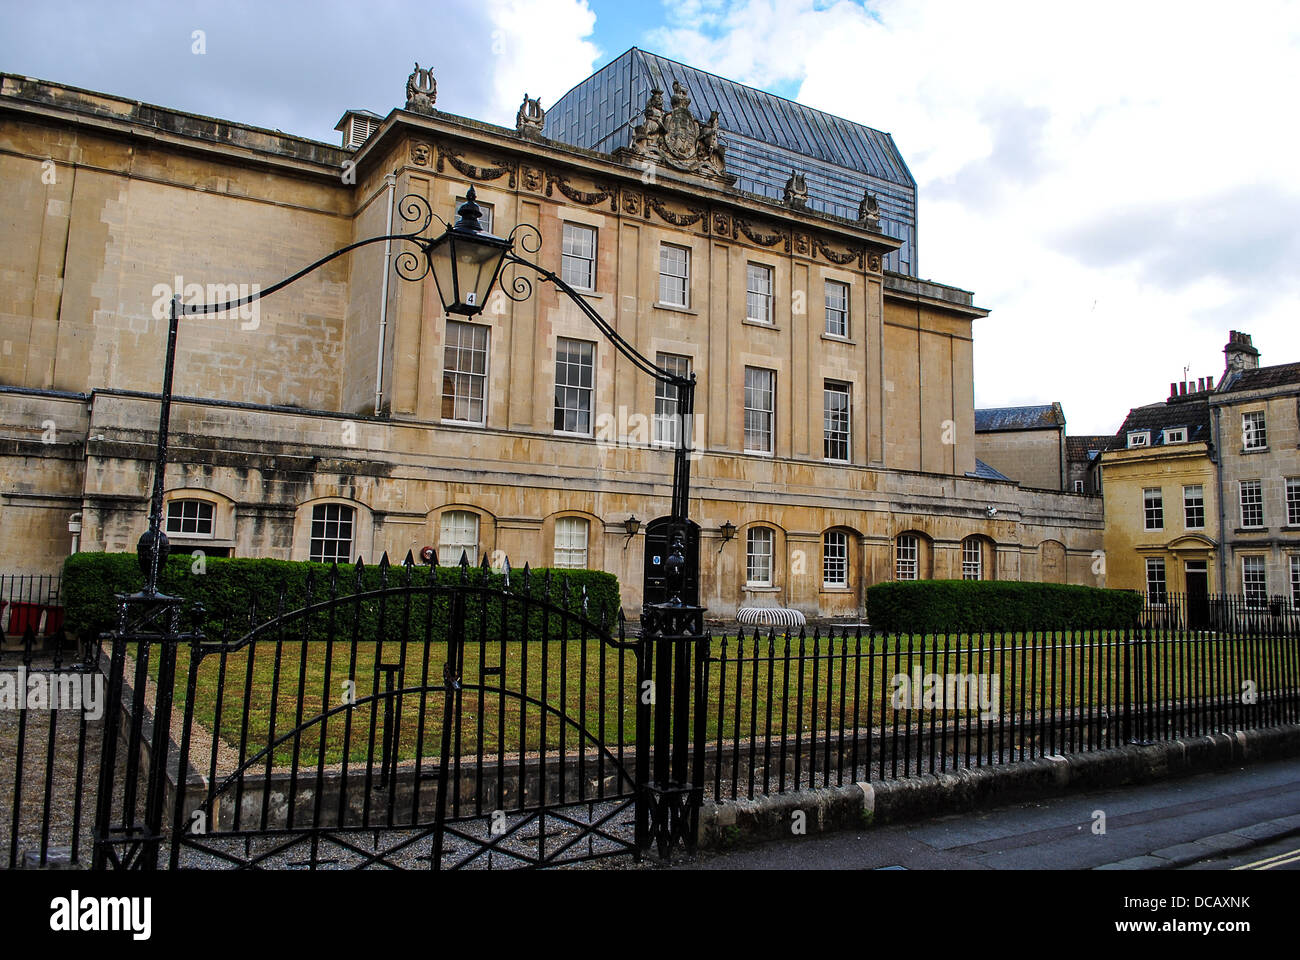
[1216, 611]
[819, 710]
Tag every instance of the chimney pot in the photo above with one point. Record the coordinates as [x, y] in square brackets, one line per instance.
[1173, 389]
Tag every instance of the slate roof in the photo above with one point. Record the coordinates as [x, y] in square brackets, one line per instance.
[983, 471]
[1193, 414]
[1047, 416]
[1083, 448]
[1275, 376]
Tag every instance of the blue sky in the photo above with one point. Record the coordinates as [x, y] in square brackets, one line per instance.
[1115, 181]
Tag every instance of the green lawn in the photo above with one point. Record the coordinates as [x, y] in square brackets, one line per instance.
[290, 683]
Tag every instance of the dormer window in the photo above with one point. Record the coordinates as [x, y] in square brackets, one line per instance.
[1139, 438]
[1176, 435]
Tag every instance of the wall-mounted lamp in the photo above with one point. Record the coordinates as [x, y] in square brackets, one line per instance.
[728, 531]
[632, 525]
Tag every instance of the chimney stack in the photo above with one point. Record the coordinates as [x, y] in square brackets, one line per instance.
[1239, 354]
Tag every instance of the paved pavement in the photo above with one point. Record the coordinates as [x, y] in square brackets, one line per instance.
[1218, 813]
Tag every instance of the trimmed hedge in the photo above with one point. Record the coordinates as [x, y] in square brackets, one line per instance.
[931, 606]
[237, 594]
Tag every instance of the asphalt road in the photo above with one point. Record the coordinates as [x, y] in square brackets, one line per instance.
[1059, 833]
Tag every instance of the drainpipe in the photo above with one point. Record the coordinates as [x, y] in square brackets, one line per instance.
[391, 180]
[1217, 460]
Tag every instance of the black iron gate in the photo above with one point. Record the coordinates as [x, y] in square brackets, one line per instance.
[421, 721]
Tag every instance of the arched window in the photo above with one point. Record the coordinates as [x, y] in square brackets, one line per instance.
[332, 533]
[835, 559]
[758, 557]
[972, 559]
[459, 535]
[907, 557]
[190, 518]
[571, 542]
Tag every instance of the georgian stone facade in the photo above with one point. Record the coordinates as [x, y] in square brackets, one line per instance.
[349, 396]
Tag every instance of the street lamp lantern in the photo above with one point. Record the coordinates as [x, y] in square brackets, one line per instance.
[465, 260]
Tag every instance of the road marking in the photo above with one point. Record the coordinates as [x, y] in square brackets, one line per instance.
[1290, 856]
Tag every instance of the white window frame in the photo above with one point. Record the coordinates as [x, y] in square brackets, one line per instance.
[198, 518]
[572, 535]
[669, 281]
[972, 559]
[1175, 435]
[666, 419]
[1254, 430]
[760, 543]
[328, 522]
[454, 352]
[907, 557]
[576, 392]
[831, 434]
[458, 532]
[1139, 438]
[1190, 504]
[755, 392]
[1251, 494]
[760, 288]
[1153, 504]
[1157, 581]
[1293, 501]
[837, 314]
[1078, 486]
[577, 264]
[1254, 573]
[835, 559]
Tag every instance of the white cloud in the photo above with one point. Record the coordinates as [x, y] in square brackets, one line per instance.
[1115, 180]
[538, 47]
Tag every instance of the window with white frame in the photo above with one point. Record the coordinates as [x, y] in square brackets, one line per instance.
[835, 559]
[758, 293]
[758, 557]
[1176, 435]
[574, 375]
[1194, 506]
[464, 373]
[1295, 582]
[1078, 486]
[571, 542]
[1153, 508]
[760, 409]
[578, 256]
[1157, 588]
[1254, 434]
[190, 518]
[1252, 503]
[1254, 581]
[674, 275]
[1293, 501]
[459, 535]
[332, 529]
[972, 559]
[485, 219]
[835, 419]
[906, 557]
[666, 397]
[1139, 438]
[837, 308]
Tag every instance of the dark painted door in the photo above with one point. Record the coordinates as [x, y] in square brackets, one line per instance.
[1198, 596]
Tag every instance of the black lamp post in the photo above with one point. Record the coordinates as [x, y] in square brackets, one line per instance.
[466, 263]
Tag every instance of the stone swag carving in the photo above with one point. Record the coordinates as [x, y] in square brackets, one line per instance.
[530, 119]
[678, 139]
[421, 90]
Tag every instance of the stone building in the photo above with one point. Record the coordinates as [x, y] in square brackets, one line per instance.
[1256, 413]
[1162, 504]
[1026, 444]
[347, 415]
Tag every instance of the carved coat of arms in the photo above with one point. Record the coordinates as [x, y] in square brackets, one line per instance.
[678, 138]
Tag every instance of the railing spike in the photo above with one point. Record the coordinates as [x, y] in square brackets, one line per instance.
[584, 599]
[410, 559]
[433, 557]
[505, 571]
[383, 561]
